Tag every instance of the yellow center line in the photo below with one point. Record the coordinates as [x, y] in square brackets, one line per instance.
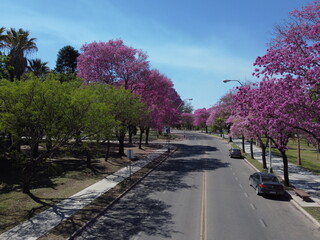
[203, 220]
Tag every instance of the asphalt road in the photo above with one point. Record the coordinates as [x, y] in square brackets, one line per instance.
[201, 193]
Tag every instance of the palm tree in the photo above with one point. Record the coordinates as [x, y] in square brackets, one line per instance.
[2, 29]
[18, 44]
[38, 67]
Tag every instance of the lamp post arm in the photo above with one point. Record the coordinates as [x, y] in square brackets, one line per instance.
[227, 80]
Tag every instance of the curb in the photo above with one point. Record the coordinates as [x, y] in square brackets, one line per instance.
[80, 230]
[299, 208]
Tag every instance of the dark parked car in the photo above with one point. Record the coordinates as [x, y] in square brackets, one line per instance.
[266, 183]
[235, 153]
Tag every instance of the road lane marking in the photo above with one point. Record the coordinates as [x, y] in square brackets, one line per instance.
[262, 222]
[253, 206]
[246, 194]
[203, 220]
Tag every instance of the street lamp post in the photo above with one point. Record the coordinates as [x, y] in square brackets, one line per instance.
[225, 81]
[187, 99]
[269, 141]
[270, 161]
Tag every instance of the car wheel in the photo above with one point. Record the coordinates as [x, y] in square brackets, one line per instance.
[257, 190]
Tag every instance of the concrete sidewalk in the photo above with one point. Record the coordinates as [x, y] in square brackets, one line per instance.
[45, 221]
[299, 177]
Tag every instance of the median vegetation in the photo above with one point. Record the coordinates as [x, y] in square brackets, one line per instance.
[61, 176]
[61, 128]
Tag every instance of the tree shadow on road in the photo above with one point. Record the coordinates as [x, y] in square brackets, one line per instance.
[140, 210]
[186, 151]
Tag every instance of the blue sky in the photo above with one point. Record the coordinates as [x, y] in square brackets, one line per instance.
[196, 43]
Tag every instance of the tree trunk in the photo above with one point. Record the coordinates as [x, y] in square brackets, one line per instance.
[35, 150]
[107, 151]
[243, 148]
[26, 178]
[264, 160]
[78, 138]
[15, 144]
[299, 154]
[48, 143]
[140, 139]
[88, 156]
[27, 170]
[147, 135]
[130, 134]
[285, 168]
[228, 128]
[251, 148]
[121, 144]
[26, 184]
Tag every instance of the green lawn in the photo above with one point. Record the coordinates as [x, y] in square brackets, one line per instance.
[310, 158]
[314, 212]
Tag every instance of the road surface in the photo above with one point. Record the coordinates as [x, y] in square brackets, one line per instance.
[200, 193]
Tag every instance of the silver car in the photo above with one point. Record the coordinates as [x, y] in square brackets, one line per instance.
[235, 153]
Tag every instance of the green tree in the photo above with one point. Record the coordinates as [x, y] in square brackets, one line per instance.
[18, 44]
[4, 67]
[100, 122]
[127, 109]
[67, 60]
[34, 110]
[38, 67]
[186, 107]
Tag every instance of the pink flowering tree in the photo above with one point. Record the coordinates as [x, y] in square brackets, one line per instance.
[200, 117]
[287, 99]
[117, 64]
[294, 56]
[295, 52]
[215, 120]
[187, 120]
[220, 112]
[158, 93]
[111, 62]
[245, 119]
[276, 108]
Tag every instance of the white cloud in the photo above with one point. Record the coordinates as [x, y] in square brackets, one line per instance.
[210, 59]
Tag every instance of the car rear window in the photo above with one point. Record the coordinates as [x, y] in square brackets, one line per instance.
[269, 179]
